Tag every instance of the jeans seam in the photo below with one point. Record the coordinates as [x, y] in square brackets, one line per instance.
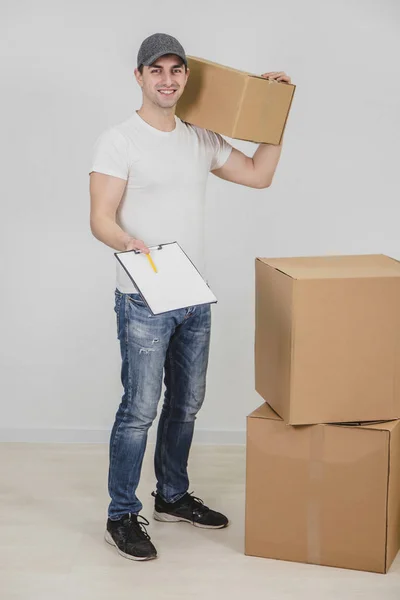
[166, 425]
[118, 300]
[112, 449]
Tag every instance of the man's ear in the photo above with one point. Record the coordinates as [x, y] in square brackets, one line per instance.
[139, 77]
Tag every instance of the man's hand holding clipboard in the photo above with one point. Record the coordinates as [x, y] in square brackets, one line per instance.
[140, 246]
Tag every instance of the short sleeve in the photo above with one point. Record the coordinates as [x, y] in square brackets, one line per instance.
[110, 154]
[221, 150]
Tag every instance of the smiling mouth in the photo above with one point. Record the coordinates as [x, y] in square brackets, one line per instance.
[166, 92]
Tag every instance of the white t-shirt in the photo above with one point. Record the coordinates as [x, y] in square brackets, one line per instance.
[166, 174]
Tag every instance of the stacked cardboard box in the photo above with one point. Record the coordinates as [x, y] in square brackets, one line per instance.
[323, 450]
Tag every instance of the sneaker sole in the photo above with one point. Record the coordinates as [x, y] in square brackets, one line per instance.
[108, 538]
[167, 518]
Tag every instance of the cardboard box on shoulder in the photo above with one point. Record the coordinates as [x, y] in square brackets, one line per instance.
[323, 494]
[235, 103]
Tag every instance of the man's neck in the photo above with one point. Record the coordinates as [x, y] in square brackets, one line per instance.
[164, 120]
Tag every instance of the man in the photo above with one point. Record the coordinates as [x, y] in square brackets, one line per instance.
[147, 186]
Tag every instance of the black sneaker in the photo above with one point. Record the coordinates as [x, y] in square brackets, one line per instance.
[130, 537]
[189, 509]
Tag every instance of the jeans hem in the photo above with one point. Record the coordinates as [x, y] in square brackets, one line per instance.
[174, 499]
[126, 512]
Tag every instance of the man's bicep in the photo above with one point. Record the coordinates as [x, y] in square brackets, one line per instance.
[106, 192]
[239, 168]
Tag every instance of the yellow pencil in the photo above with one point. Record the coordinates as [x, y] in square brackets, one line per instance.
[152, 263]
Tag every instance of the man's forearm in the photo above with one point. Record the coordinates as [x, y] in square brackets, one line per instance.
[107, 231]
[266, 159]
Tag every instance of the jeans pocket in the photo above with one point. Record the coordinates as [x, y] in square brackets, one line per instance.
[137, 300]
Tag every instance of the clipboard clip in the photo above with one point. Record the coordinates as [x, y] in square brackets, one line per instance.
[159, 247]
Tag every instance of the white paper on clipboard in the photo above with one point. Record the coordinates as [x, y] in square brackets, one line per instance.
[177, 283]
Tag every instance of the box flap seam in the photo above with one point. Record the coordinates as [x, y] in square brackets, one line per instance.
[239, 111]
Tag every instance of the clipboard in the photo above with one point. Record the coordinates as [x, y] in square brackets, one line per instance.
[177, 284]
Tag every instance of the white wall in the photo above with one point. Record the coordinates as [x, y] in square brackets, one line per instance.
[67, 74]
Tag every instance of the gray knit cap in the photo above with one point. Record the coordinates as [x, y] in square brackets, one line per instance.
[158, 45]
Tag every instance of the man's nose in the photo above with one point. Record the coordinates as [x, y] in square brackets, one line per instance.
[168, 81]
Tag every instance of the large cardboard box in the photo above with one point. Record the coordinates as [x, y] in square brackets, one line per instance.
[235, 103]
[327, 342]
[323, 494]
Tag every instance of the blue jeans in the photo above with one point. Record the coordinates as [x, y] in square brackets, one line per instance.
[177, 343]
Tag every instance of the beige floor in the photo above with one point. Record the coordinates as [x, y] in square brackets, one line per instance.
[53, 500]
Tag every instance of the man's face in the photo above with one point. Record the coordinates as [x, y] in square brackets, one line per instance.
[164, 81]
